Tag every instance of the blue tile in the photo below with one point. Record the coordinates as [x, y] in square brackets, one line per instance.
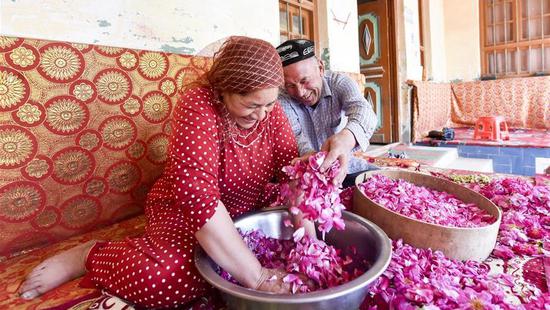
[502, 160]
[490, 150]
[524, 161]
[481, 156]
[517, 170]
[518, 151]
[529, 170]
[468, 148]
[531, 153]
[488, 156]
[502, 168]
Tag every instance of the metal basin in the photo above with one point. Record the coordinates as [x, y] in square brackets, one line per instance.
[371, 243]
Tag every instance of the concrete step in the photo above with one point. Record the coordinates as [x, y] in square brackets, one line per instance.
[542, 165]
[440, 157]
[434, 156]
[471, 164]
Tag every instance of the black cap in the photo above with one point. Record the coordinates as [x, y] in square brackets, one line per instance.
[292, 51]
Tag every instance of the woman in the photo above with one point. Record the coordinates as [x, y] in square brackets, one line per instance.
[230, 139]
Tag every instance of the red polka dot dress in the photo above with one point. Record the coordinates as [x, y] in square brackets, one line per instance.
[205, 165]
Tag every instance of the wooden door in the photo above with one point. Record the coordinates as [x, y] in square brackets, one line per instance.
[377, 64]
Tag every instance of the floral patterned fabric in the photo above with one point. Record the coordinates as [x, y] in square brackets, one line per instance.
[431, 107]
[524, 102]
[83, 135]
[14, 270]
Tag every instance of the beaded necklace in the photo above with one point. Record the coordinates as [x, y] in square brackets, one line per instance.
[235, 133]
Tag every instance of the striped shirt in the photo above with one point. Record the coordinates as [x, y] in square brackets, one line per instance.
[341, 105]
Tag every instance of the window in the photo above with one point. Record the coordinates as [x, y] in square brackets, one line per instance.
[515, 37]
[296, 19]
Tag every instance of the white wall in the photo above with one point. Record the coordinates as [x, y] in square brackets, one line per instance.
[178, 26]
[342, 34]
[434, 40]
[410, 29]
[462, 39]
[451, 39]
[407, 42]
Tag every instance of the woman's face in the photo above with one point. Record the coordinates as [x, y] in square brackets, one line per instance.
[253, 107]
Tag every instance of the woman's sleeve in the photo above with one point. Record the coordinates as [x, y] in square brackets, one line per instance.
[195, 155]
[285, 147]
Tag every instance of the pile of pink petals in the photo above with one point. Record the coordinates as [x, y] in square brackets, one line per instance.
[424, 204]
[321, 263]
[346, 197]
[525, 227]
[321, 198]
[422, 278]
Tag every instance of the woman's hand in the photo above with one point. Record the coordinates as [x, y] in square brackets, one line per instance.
[272, 281]
[222, 242]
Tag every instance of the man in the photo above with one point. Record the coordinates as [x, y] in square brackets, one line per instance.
[327, 110]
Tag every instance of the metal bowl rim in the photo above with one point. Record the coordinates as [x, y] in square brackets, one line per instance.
[245, 293]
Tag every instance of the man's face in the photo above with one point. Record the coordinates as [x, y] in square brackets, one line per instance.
[304, 80]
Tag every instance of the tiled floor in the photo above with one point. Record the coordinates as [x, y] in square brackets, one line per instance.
[472, 164]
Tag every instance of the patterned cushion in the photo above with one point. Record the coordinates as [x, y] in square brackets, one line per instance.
[83, 135]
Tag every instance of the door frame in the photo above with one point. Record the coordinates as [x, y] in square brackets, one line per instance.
[394, 89]
[392, 63]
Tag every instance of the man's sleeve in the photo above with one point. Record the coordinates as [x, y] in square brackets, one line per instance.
[304, 145]
[362, 120]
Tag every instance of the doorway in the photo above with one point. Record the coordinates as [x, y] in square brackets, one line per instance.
[377, 61]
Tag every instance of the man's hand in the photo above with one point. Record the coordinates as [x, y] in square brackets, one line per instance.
[298, 219]
[304, 158]
[338, 147]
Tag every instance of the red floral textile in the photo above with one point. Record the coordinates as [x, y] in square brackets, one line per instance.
[83, 135]
[431, 107]
[524, 102]
[14, 270]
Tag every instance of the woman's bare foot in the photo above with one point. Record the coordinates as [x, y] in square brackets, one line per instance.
[55, 271]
